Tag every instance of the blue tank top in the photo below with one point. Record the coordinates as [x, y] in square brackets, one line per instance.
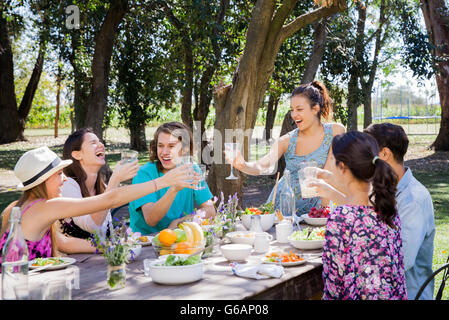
[293, 162]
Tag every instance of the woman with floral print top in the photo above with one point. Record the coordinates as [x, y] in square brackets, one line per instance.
[362, 256]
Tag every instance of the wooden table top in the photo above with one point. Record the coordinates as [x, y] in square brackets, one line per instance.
[218, 283]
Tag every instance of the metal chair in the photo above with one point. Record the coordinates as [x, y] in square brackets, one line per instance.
[445, 270]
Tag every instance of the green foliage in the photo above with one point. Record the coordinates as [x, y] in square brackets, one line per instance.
[416, 51]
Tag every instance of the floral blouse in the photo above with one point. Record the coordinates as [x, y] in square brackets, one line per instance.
[362, 256]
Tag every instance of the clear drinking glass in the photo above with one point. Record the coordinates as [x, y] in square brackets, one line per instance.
[202, 171]
[231, 149]
[307, 174]
[128, 156]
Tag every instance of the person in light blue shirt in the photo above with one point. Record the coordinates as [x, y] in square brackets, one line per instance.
[415, 209]
[168, 207]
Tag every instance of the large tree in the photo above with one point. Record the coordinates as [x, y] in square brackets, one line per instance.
[237, 104]
[12, 122]
[436, 17]
[104, 44]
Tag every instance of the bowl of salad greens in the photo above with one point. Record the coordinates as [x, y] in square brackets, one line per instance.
[307, 238]
[174, 269]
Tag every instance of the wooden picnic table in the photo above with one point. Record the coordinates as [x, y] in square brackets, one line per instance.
[218, 283]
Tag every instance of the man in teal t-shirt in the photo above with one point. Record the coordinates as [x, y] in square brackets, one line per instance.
[184, 202]
[166, 208]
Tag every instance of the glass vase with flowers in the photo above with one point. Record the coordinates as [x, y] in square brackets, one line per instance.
[117, 250]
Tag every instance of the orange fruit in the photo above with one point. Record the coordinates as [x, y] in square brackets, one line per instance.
[167, 237]
[183, 247]
[164, 252]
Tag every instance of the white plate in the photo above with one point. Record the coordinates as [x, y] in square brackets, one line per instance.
[147, 243]
[314, 221]
[307, 244]
[67, 261]
[286, 264]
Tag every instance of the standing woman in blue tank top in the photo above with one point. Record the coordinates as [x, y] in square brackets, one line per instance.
[311, 140]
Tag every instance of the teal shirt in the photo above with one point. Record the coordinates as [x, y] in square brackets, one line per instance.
[183, 203]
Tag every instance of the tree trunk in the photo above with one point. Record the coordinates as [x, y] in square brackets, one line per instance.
[104, 42]
[367, 86]
[272, 107]
[12, 122]
[354, 91]
[241, 101]
[436, 18]
[9, 121]
[81, 84]
[316, 56]
[138, 137]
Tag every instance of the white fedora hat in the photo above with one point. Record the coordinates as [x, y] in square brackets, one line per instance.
[36, 166]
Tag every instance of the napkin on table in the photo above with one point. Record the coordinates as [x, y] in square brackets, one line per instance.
[258, 271]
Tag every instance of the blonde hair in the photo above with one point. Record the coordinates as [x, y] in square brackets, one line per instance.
[37, 192]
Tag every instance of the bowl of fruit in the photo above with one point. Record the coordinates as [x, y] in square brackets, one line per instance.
[317, 217]
[187, 239]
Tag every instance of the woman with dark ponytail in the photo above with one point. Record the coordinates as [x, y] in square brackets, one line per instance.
[362, 256]
[310, 104]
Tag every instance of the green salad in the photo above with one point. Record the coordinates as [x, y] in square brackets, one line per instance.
[40, 262]
[178, 261]
[308, 234]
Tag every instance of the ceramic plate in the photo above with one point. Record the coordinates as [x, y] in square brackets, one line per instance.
[285, 264]
[145, 243]
[66, 261]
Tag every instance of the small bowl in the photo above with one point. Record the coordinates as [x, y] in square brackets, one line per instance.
[244, 237]
[314, 221]
[174, 275]
[177, 248]
[236, 251]
[266, 221]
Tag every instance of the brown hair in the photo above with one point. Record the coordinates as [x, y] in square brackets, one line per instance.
[37, 192]
[391, 136]
[357, 150]
[75, 170]
[317, 93]
[176, 129]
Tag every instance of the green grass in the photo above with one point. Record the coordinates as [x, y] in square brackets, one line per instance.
[438, 186]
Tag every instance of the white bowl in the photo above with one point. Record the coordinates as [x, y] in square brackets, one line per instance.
[174, 275]
[236, 251]
[314, 221]
[306, 244]
[266, 221]
[245, 237]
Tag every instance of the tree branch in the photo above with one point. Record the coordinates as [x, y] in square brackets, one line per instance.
[308, 18]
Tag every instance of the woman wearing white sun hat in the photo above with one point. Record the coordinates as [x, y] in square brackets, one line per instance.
[41, 176]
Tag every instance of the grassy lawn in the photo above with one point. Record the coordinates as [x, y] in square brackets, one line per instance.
[438, 186]
[436, 178]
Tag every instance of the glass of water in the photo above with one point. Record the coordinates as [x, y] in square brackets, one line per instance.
[128, 156]
[201, 170]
